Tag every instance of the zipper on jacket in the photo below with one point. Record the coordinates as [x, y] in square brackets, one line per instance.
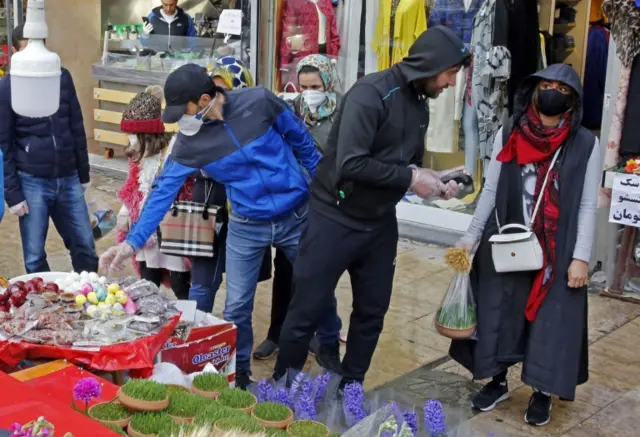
[55, 149]
[169, 40]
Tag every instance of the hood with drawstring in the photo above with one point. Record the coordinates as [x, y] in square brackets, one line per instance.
[435, 51]
[555, 72]
[377, 132]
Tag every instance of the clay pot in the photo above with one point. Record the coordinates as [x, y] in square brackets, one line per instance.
[455, 334]
[205, 394]
[279, 425]
[323, 425]
[140, 405]
[117, 423]
[134, 433]
[248, 410]
[179, 420]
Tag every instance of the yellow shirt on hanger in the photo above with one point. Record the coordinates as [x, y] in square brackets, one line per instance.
[410, 23]
[382, 37]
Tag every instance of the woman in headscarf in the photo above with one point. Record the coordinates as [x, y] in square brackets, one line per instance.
[318, 101]
[538, 318]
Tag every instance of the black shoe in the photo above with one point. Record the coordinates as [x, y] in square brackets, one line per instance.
[539, 411]
[314, 346]
[491, 395]
[328, 357]
[243, 380]
[266, 350]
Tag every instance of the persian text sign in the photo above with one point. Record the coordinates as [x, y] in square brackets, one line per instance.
[625, 200]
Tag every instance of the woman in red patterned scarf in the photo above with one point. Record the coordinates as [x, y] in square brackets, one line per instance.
[537, 318]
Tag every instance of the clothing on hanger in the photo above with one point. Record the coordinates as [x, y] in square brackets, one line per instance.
[542, 58]
[595, 77]
[457, 15]
[625, 28]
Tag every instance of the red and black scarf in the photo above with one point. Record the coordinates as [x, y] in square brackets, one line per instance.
[533, 143]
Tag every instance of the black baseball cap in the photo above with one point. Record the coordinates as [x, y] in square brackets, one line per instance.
[184, 85]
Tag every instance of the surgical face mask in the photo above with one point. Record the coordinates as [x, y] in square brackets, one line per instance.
[552, 102]
[190, 125]
[314, 99]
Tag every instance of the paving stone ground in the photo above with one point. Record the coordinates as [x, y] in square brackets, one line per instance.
[411, 360]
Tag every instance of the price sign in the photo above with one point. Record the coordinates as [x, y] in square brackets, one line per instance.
[625, 200]
[230, 22]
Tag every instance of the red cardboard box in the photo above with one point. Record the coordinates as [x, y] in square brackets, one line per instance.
[192, 349]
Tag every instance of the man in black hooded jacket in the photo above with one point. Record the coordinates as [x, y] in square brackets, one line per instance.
[373, 153]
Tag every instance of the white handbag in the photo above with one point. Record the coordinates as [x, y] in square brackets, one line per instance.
[520, 251]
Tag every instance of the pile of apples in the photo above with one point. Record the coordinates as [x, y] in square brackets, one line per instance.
[16, 294]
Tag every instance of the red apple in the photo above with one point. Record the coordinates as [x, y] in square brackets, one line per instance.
[38, 280]
[13, 288]
[31, 287]
[52, 287]
[17, 299]
[4, 297]
[5, 307]
[19, 283]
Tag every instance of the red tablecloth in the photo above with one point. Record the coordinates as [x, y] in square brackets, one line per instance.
[136, 356]
[22, 403]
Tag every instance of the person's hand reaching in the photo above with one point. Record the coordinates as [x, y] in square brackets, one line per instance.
[113, 259]
[578, 273]
[147, 29]
[426, 183]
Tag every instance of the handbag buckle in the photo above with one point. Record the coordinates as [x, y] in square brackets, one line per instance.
[174, 211]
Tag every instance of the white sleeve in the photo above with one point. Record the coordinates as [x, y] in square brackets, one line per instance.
[587, 211]
[487, 201]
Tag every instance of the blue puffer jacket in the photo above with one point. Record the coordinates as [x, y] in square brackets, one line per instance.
[261, 152]
[49, 147]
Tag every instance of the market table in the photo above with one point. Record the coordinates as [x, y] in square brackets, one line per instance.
[24, 402]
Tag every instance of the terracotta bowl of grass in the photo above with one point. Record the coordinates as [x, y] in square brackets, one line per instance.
[237, 399]
[111, 413]
[209, 385]
[143, 395]
[119, 431]
[244, 424]
[209, 414]
[307, 428]
[149, 424]
[272, 415]
[183, 406]
[275, 432]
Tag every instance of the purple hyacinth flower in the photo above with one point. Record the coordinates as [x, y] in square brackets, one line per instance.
[321, 383]
[411, 419]
[295, 386]
[305, 408]
[281, 396]
[434, 418]
[265, 391]
[353, 403]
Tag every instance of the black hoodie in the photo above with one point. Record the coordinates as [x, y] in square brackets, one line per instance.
[378, 132]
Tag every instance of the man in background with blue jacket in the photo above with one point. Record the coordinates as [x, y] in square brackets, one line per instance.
[46, 169]
[250, 141]
[170, 20]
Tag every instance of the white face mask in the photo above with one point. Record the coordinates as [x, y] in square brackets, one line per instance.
[314, 99]
[190, 125]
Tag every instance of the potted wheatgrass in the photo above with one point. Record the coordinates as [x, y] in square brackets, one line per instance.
[149, 424]
[111, 413]
[209, 385]
[307, 428]
[143, 395]
[237, 399]
[272, 415]
[244, 424]
[183, 406]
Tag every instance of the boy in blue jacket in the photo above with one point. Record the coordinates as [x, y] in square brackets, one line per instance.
[252, 143]
[46, 169]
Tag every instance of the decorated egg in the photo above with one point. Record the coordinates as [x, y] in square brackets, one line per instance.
[102, 280]
[117, 308]
[113, 288]
[110, 299]
[101, 294]
[103, 305]
[92, 310]
[84, 275]
[130, 307]
[94, 277]
[92, 298]
[86, 289]
[81, 299]
[122, 299]
[74, 276]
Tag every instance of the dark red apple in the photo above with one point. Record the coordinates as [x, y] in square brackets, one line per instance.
[52, 287]
[17, 299]
[5, 307]
[13, 288]
[38, 280]
[19, 283]
[31, 287]
[4, 297]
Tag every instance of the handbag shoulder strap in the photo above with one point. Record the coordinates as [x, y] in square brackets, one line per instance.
[539, 200]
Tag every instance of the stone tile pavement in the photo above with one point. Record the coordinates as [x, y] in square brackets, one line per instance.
[411, 358]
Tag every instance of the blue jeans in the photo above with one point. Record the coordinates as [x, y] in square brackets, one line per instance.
[247, 241]
[62, 200]
[206, 277]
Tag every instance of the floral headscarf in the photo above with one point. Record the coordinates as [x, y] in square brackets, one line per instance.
[233, 72]
[328, 75]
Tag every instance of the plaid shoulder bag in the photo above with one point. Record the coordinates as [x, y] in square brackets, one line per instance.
[189, 228]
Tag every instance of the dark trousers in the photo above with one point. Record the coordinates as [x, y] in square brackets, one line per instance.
[280, 293]
[327, 250]
[180, 281]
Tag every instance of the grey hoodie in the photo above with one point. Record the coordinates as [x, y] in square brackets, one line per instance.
[378, 132]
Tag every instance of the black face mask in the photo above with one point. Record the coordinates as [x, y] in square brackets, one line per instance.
[552, 102]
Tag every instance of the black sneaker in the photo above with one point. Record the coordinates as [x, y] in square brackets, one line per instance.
[243, 380]
[266, 350]
[314, 346]
[539, 411]
[491, 395]
[328, 357]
